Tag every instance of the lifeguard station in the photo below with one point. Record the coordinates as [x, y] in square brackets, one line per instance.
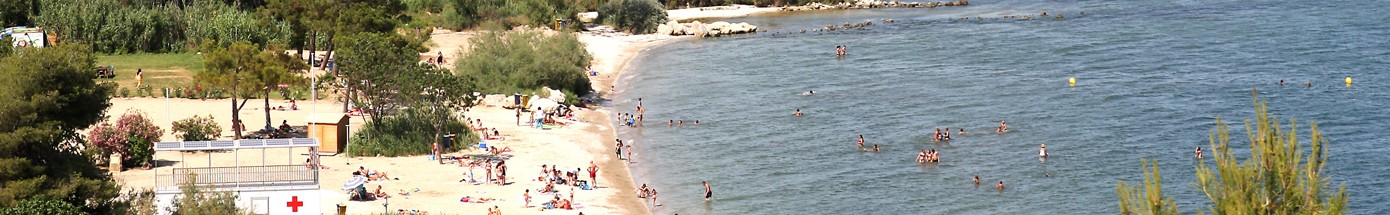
[290, 188]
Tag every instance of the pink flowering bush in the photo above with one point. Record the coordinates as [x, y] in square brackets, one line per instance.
[132, 137]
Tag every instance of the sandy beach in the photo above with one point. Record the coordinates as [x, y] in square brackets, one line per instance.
[425, 185]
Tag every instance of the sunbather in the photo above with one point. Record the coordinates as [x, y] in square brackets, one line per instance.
[380, 194]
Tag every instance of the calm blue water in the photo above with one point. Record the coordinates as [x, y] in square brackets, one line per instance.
[1153, 76]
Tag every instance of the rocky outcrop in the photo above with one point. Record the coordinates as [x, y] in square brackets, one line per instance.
[872, 4]
[699, 29]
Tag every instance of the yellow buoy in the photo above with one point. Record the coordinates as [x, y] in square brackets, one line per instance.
[1072, 81]
[1348, 81]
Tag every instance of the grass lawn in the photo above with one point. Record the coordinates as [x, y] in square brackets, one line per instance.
[161, 70]
[172, 70]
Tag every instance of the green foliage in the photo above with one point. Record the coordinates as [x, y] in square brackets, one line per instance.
[633, 16]
[125, 92]
[5, 48]
[375, 66]
[505, 14]
[15, 13]
[42, 206]
[50, 96]
[223, 24]
[115, 26]
[526, 60]
[409, 102]
[1150, 200]
[197, 128]
[243, 69]
[1277, 177]
[404, 134]
[198, 200]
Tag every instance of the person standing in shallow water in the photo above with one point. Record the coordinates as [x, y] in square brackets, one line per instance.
[708, 193]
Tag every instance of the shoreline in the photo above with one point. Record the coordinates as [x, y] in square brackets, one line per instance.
[431, 186]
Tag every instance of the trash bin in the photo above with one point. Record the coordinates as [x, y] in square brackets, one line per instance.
[517, 99]
[342, 209]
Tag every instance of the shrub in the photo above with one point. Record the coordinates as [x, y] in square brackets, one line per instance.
[196, 128]
[125, 92]
[42, 206]
[632, 16]
[132, 137]
[199, 200]
[462, 14]
[404, 134]
[526, 60]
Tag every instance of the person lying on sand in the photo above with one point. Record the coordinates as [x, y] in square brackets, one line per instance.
[470, 199]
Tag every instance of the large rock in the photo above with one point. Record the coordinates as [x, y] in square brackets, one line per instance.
[720, 27]
[555, 95]
[663, 29]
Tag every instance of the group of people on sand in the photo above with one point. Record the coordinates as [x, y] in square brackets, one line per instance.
[648, 193]
[495, 172]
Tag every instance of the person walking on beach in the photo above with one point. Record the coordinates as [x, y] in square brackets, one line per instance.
[527, 197]
[708, 194]
[629, 152]
[620, 149]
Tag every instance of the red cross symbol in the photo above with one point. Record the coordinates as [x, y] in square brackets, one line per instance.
[294, 204]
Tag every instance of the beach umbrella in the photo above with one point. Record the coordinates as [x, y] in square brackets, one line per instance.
[354, 182]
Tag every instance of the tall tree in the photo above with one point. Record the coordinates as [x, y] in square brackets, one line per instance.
[243, 68]
[376, 66]
[49, 95]
[1276, 178]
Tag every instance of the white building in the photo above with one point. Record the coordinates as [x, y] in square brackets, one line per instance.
[291, 188]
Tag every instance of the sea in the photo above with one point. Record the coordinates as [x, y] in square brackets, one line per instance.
[1152, 78]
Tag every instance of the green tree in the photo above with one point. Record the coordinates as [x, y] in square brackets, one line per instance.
[243, 69]
[632, 16]
[515, 61]
[49, 96]
[1150, 200]
[1277, 178]
[15, 12]
[377, 68]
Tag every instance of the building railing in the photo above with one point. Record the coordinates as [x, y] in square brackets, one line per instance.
[244, 177]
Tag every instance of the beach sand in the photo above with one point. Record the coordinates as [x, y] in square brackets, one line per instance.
[589, 139]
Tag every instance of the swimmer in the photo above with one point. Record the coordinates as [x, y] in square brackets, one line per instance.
[681, 123]
[962, 131]
[797, 113]
[1199, 153]
[1003, 126]
[1000, 186]
[861, 141]
[697, 122]
[1042, 151]
[1281, 82]
[810, 92]
[1308, 84]
[875, 147]
[670, 122]
[977, 180]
